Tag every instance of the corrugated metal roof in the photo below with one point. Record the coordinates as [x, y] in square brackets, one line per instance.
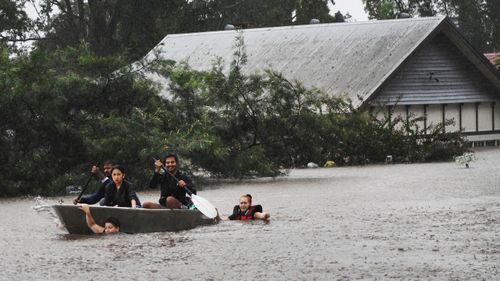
[341, 58]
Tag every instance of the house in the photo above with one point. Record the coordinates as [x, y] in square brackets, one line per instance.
[404, 67]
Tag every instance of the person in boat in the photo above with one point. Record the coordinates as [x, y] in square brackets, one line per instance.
[245, 210]
[120, 192]
[104, 177]
[112, 225]
[172, 182]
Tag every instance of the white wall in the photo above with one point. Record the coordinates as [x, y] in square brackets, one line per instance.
[452, 111]
[399, 112]
[497, 116]
[415, 112]
[380, 113]
[484, 116]
[469, 117]
[434, 114]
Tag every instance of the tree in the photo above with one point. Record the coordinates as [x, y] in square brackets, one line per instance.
[62, 111]
[478, 20]
[380, 10]
[14, 24]
[313, 9]
[110, 27]
[243, 14]
[133, 27]
[492, 8]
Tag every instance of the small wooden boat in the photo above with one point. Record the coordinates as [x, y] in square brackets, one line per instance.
[132, 220]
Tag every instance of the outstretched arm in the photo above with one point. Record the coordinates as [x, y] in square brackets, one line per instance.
[259, 214]
[262, 216]
[90, 219]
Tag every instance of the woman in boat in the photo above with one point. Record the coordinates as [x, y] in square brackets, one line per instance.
[120, 193]
[112, 225]
[245, 211]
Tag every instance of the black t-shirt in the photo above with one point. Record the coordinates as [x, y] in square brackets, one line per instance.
[122, 196]
[169, 187]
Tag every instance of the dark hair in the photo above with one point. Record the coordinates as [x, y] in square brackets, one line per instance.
[171, 154]
[114, 221]
[119, 167]
[249, 198]
[109, 162]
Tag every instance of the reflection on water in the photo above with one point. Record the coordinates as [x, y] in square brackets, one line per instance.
[425, 221]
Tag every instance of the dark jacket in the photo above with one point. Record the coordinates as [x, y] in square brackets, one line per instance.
[121, 197]
[96, 196]
[168, 187]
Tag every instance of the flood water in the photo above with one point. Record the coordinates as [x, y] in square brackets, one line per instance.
[433, 221]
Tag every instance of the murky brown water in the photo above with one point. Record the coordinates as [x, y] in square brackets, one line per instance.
[424, 221]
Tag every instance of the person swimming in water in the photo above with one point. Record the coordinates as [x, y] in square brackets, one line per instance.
[245, 210]
[112, 225]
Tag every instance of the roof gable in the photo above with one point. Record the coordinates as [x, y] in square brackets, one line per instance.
[437, 73]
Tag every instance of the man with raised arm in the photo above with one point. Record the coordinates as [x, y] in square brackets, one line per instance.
[173, 195]
[104, 177]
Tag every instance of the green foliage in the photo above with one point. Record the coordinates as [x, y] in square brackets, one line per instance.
[109, 27]
[318, 9]
[381, 10]
[134, 27]
[478, 20]
[14, 22]
[61, 113]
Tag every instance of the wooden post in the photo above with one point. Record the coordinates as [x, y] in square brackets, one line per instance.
[493, 116]
[407, 114]
[477, 117]
[389, 108]
[460, 116]
[443, 108]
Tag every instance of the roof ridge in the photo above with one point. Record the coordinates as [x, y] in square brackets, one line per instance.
[436, 18]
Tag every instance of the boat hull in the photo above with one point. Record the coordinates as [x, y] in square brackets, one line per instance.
[132, 220]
